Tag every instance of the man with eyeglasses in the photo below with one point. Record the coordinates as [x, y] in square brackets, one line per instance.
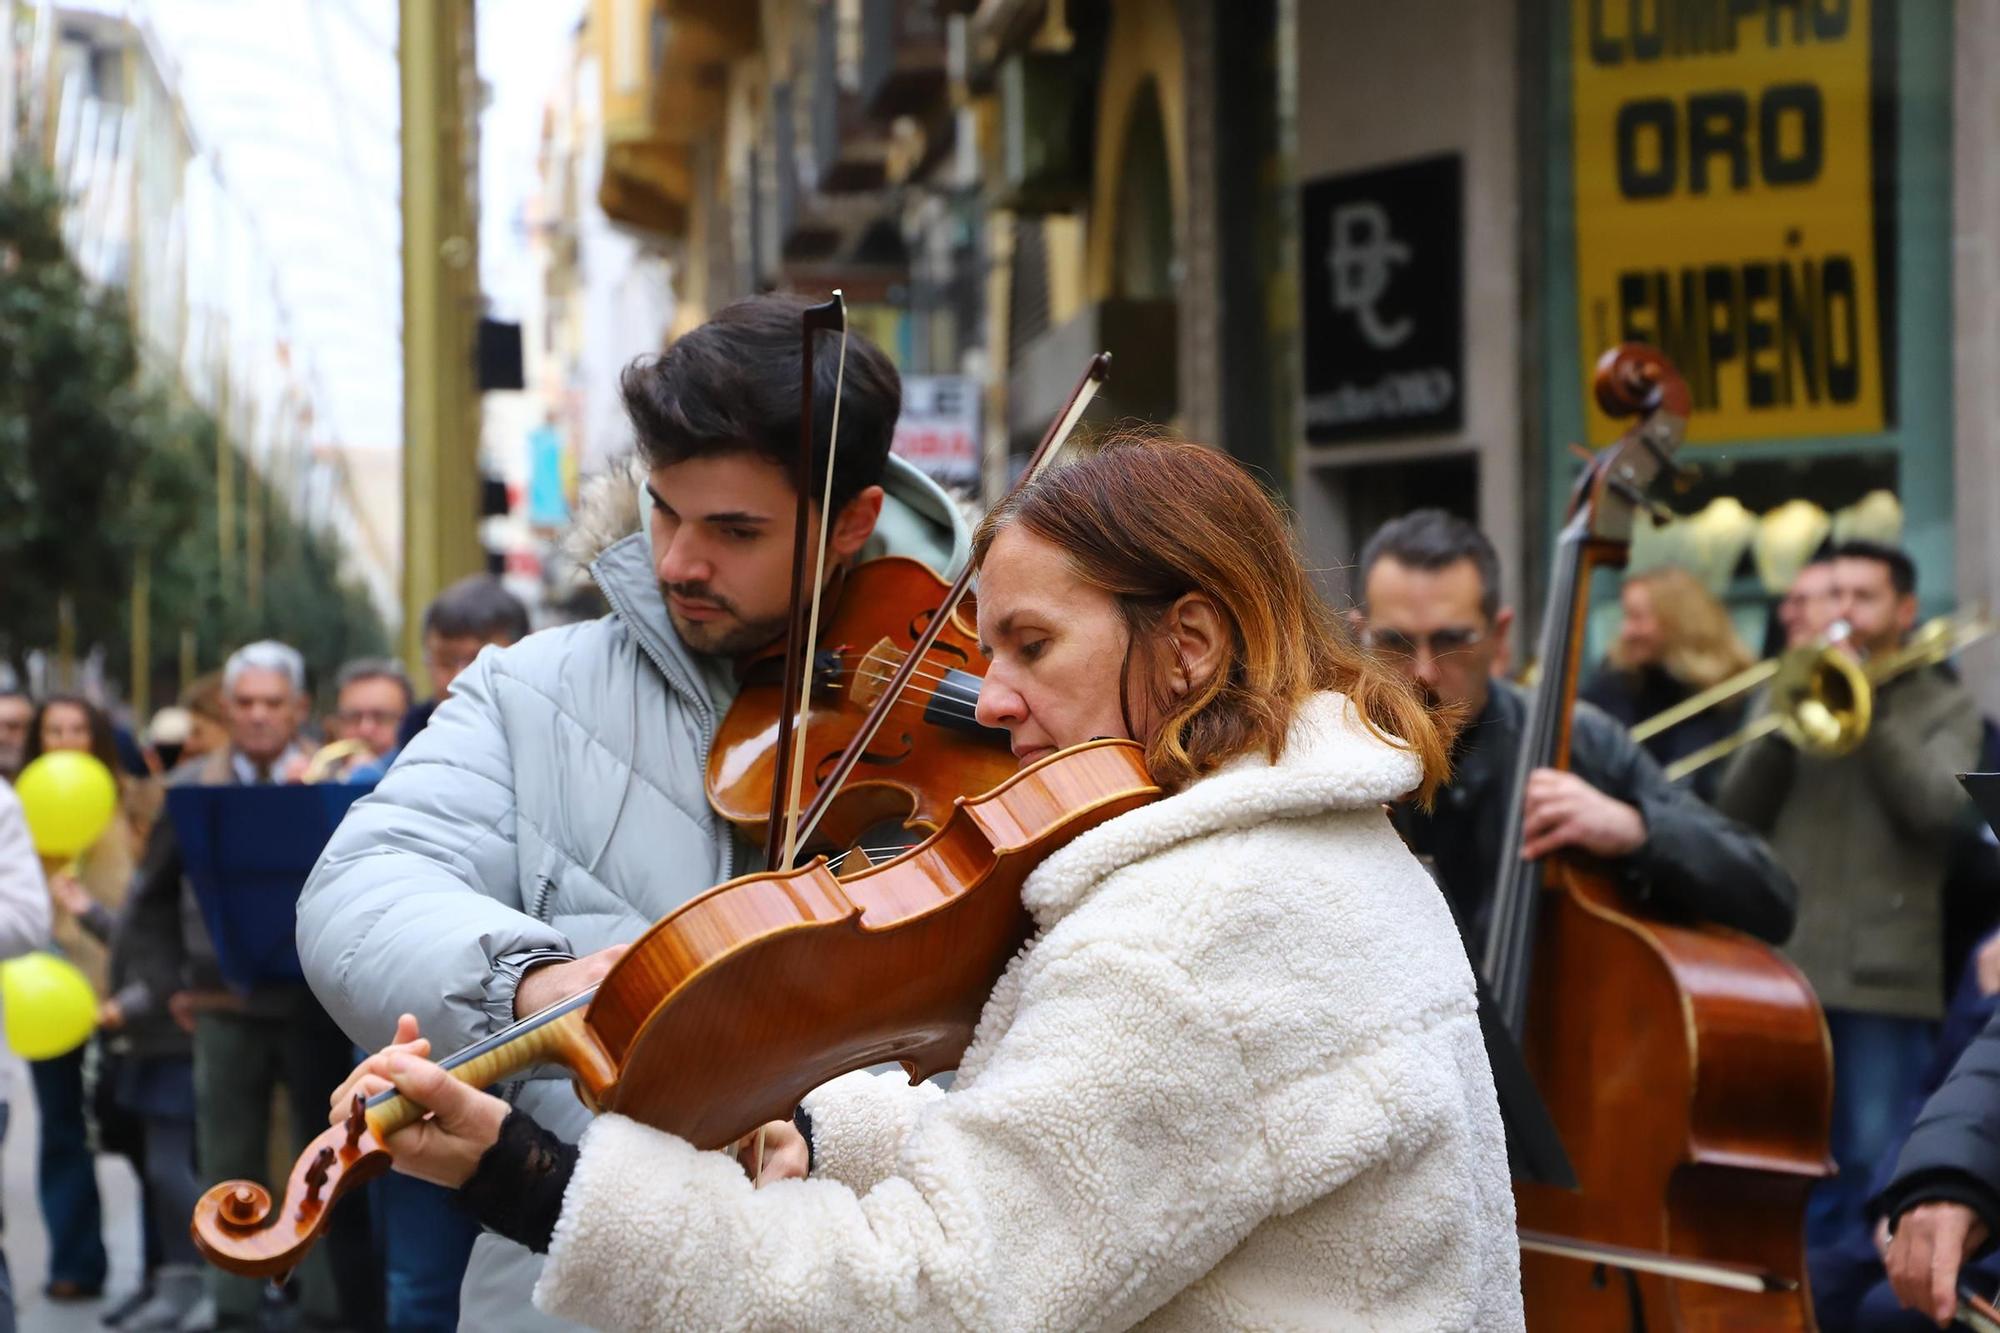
[1431, 608]
[371, 696]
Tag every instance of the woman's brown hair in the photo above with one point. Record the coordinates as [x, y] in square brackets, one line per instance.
[103, 741]
[1150, 520]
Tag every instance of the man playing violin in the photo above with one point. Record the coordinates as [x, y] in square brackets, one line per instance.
[555, 806]
[1431, 609]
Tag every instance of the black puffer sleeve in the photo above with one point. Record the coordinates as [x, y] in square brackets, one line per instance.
[1953, 1152]
[1696, 860]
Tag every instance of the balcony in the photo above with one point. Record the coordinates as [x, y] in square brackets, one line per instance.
[850, 149]
[903, 60]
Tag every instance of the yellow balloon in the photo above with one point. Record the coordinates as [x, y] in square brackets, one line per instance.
[49, 1007]
[69, 798]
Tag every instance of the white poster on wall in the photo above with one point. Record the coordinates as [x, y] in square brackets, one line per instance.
[939, 428]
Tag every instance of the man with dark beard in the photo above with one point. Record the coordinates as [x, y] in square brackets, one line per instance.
[554, 807]
[1431, 607]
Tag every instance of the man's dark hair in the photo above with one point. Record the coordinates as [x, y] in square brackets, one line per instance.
[1431, 539]
[477, 607]
[1902, 569]
[374, 668]
[732, 386]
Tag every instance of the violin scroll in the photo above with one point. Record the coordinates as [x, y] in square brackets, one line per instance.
[236, 1228]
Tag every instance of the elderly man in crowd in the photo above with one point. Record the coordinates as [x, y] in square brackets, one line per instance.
[246, 1043]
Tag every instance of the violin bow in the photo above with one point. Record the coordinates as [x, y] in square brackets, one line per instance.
[781, 840]
[1052, 442]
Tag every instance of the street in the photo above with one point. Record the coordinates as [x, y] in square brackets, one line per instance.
[26, 1241]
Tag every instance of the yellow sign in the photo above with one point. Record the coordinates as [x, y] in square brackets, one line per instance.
[1725, 212]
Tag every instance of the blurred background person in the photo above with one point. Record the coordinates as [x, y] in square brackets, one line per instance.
[167, 736]
[208, 720]
[66, 1173]
[248, 1043]
[16, 711]
[1807, 607]
[24, 925]
[1869, 838]
[372, 696]
[1674, 641]
[471, 614]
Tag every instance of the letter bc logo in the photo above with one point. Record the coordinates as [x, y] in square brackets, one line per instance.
[1362, 259]
[1381, 253]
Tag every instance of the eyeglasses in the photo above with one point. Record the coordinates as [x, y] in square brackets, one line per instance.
[354, 717]
[1438, 643]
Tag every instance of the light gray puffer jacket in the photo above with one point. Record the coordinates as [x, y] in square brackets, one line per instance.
[555, 805]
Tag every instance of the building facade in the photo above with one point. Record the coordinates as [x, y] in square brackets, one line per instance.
[1374, 250]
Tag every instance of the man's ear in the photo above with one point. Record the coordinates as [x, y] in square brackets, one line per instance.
[856, 523]
[1503, 642]
[1201, 636]
[1906, 613]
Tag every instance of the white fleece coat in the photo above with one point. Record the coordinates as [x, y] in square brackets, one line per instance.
[1236, 1081]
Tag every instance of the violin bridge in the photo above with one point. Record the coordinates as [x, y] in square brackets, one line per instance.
[873, 673]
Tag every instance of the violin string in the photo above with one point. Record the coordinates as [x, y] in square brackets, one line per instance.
[882, 671]
[833, 681]
[943, 684]
[945, 704]
[874, 854]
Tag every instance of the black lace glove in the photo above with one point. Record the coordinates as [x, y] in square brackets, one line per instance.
[517, 1190]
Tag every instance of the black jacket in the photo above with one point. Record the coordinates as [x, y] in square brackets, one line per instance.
[1631, 697]
[1953, 1152]
[1696, 863]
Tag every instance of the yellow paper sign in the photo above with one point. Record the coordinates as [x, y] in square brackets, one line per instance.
[1725, 213]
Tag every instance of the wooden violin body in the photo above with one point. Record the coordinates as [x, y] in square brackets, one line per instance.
[729, 1010]
[929, 749]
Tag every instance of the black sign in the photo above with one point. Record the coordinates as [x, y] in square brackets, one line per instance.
[1382, 266]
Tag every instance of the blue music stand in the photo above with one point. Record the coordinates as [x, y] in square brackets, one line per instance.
[248, 851]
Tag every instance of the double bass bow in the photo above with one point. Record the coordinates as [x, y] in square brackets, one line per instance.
[1685, 1066]
[728, 1010]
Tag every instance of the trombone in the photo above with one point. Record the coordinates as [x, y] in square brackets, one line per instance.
[1822, 698]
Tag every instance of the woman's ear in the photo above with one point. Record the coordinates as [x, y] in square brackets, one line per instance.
[1199, 639]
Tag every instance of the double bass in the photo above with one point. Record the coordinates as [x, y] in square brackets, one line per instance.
[729, 1009]
[1686, 1067]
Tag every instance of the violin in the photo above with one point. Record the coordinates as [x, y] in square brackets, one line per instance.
[731, 1008]
[1685, 1067]
[932, 747]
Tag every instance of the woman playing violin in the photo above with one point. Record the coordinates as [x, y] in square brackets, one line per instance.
[1236, 1078]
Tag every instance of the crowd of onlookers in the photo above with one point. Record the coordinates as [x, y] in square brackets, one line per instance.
[190, 1079]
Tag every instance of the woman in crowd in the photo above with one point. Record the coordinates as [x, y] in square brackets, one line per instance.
[1675, 641]
[67, 1172]
[1236, 1079]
